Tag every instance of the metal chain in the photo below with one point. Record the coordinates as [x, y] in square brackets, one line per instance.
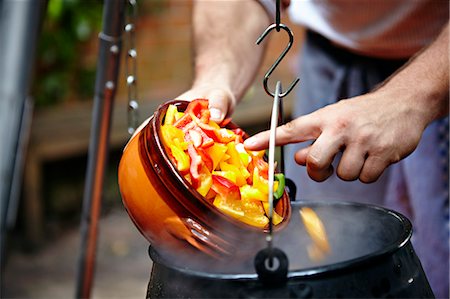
[131, 57]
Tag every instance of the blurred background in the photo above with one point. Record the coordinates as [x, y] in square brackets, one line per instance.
[42, 246]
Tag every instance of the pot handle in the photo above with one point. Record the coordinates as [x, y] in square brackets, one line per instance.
[292, 188]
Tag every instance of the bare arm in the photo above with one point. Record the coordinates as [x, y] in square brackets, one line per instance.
[376, 129]
[226, 57]
[426, 74]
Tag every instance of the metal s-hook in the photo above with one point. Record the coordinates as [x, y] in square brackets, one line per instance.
[279, 59]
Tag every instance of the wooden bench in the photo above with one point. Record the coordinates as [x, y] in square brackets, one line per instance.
[63, 132]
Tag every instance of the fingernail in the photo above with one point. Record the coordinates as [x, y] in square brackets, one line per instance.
[216, 114]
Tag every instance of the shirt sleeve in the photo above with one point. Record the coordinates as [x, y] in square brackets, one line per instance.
[269, 6]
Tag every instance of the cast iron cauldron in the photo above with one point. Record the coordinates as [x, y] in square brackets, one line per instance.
[371, 257]
[168, 211]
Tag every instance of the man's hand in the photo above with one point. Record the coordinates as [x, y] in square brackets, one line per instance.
[376, 129]
[371, 130]
[225, 54]
[221, 100]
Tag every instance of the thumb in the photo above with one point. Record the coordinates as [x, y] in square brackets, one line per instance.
[221, 104]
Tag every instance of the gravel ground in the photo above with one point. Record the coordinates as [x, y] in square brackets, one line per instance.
[122, 267]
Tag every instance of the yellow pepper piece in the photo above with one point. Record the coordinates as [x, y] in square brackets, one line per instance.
[235, 158]
[240, 179]
[254, 213]
[173, 135]
[259, 182]
[250, 213]
[262, 184]
[169, 119]
[245, 158]
[225, 158]
[276, 218]
[183, 160]
[178, 115]
[258, 153]
[245, 173]
[257, 220]
[226, 135]
[216, 152]
[275, 186]
[251, 193]
[227, 174]
[315, 228]
[243, 154]
[229, 206]
[214, 125]
[205, 181]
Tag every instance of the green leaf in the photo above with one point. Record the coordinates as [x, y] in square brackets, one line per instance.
[55, 8]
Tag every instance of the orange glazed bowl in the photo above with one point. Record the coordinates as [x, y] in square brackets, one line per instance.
[169, 212]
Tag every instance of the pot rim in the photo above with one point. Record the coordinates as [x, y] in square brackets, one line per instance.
[402, 240]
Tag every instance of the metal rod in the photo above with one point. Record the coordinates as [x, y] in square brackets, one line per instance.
[272, 139]
[277, 15]
[105, 87]
[19, 162]
[20, 24]
[280, 122]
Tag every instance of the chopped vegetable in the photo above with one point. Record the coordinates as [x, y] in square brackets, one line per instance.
[215, 162]
[278, 193]
[216, 152]
[171, 113]
[320, 246]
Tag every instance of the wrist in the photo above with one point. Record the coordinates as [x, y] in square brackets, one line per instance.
[209, 74]
[421, 101]
[425, 95]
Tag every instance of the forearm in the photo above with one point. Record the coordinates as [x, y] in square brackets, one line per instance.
[224, 37]
[426, 79]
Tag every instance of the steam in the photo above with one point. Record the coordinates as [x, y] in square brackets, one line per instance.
[354, 231]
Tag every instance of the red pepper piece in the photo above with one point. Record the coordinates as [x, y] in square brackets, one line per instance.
[195, 137]
[221, 135]
[224, 135]
[183, 121]
[239, 135]
[206, 128]
[206, 140]
[196, 165]
[263, 168]
[199, 157]
[225, 187]
[206, 159]
[199, 108]
[225, 122]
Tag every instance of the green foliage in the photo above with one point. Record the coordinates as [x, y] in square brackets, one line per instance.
[60, 68]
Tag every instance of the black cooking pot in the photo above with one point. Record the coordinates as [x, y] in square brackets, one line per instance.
[371, 257]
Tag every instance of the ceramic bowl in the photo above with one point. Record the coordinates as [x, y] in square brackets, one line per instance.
[168, 211]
